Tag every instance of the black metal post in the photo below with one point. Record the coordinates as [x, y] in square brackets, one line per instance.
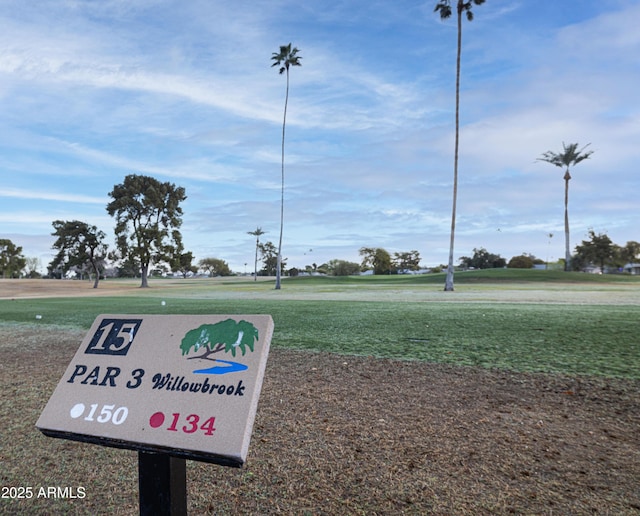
[162, 481]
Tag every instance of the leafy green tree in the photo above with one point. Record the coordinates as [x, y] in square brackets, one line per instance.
[376, 258]
[569, 157]
[256, 233]
[523, 261]
[128, 267]
[618, 259]
[310, 269]
[286, 58]
[324, 268]
[148, 218]
[623, 255]
[12, 262]
[79, 245]
[270, 261]
[630, 253]
[579, 262]
[342, 268]
[183, 263]
[407, 261]
[443, 7]
[215, 267]
[483, 259]
[599, 249]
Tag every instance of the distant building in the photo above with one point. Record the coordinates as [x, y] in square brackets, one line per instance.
[632, 268]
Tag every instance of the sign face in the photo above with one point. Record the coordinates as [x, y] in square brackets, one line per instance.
[184, 385]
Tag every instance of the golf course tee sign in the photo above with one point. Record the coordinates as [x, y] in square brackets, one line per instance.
[184, 385]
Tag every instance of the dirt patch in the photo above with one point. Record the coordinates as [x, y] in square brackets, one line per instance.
[39, 288]
[354, 435]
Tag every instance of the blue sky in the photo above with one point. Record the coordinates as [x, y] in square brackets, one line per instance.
[91, 91]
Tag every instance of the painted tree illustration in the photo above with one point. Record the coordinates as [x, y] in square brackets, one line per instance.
[227, 336]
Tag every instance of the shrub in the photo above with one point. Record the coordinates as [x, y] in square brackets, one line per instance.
[523, 261]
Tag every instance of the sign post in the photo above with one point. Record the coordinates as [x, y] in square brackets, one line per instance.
[172, 387]
[162, 484]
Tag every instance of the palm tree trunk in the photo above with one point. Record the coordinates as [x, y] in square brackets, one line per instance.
[255, 263]
[567, 251]
[448, 286]
[279, 258]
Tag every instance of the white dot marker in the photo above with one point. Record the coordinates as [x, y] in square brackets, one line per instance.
[77, 410]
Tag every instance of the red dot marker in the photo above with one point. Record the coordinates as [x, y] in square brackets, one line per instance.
[156, 420]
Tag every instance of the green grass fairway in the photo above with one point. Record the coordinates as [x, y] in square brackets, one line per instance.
[574, 324]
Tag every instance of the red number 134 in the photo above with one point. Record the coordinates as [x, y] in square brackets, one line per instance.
[193, 424]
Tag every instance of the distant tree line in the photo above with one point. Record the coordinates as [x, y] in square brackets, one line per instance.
[82, 250]
[597, 252]
[148, 241]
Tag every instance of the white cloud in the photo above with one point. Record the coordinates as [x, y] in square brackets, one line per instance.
[40, 195]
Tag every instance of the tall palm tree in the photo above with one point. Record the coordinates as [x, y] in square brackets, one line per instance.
[569, 157]
[258, 231]
[444, 8]
[286, 58]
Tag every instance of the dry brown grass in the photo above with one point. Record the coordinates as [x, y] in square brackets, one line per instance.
[26, 288]
[338, 435]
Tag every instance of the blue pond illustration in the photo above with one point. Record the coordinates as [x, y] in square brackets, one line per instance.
[230, 367]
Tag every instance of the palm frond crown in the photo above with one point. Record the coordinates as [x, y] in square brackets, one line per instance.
[286, 57]
[569, 156]
[445, 10]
